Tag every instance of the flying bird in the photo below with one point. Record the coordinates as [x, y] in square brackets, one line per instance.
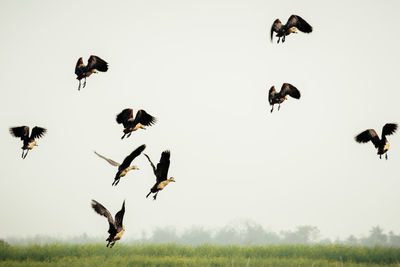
[29, 141]
[131, 124]
[278, 98]
[294, 22]
[161, 173]
[382, 144]
[116, 228]
[125, 167]
[95, 64]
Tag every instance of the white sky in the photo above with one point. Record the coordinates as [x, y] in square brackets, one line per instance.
[203, 68]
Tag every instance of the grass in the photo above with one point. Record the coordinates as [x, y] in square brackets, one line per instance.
[204, 255]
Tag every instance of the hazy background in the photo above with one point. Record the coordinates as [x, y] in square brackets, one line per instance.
[203, 68]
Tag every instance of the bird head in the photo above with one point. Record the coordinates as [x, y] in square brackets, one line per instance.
[135, 167]
[293, 30]
[172, 179]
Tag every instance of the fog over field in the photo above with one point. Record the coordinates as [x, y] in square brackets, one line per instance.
[203, 68]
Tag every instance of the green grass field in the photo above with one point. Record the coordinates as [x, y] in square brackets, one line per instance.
[205, 255]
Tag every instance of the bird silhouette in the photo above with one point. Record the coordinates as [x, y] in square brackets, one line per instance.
[382, 144]
[116, 228]
[95, 64]
[125, 167]
[29, 141]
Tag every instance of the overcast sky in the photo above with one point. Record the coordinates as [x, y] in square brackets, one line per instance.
[203, 68]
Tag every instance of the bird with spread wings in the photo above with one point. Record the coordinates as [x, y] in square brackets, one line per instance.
[131, 124]
[116, 229]
[382, 144]
[294, 22]
[278, 97]
[95, 64]
[161, 173]
[28, 140]
[125, 167]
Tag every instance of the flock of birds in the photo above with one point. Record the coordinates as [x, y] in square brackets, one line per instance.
[143, 119]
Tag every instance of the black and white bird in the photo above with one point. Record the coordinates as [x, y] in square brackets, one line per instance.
[278, 97]
[131, 124]
[382, 144]
[116, 228]
[95, 64]
[125, 167]
[294, 22]
[29, 140]
[161, 173]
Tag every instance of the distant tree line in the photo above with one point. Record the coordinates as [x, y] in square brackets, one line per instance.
[245, 234]
[255, 234]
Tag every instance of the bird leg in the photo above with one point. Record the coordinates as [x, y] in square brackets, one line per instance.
[155, 196]
[386, 157]
[112, 244]
[79, 87]
[279, 106]
[272, 108]
[26, 154]
[148, 194]
[380, 156]
[279, 38]
[84, 83]
[123, 136]
[129, 134]
[22, 156]
[116, 181]
[284, 37]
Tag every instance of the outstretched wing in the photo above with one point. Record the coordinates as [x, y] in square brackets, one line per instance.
[100, 209]
[288, 89]
[119, 216]
[144, 118]
[152, 165]
[131, 157]
[38, 132]
[275, 27]
[114, 163]
[97, 63]
[124, 116]
[368, 135]
[389, 128]
[299, 23]
[271, 95]
[79, 67]
[163, 166]
[21, 131]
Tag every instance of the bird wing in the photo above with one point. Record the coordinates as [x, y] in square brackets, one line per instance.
[79, 67]
[38, 132]
[288, 89]
[152, 165]
[271, 95]
[144, 118]
[127, 161]
[368, 135]
[275, 27]
[163, 166]
[114, 163]
[21, 131]
[124, 116]
[97, 63]
[100, 209]
[299, 23]
[119, 216]
[389, 128]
